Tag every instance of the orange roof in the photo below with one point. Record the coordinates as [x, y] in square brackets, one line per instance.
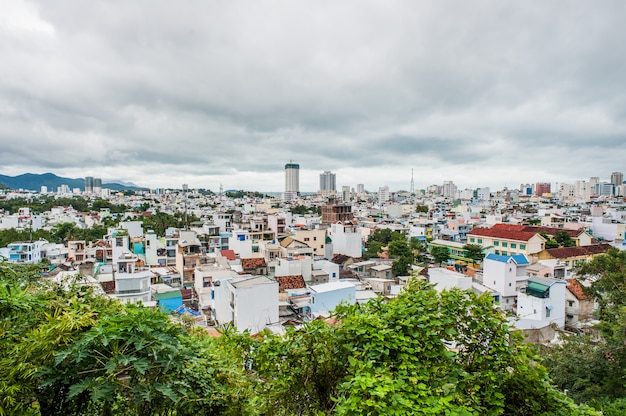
[229, 254]
[290, 282]
[576, 289]
[253, 263]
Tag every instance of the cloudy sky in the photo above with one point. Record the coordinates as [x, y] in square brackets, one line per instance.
[161, 93]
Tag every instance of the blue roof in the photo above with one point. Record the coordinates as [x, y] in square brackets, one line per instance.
[517, 258]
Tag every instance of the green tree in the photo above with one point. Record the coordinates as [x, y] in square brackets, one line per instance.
[373, 249]
[412, 352]
[399, 248]
[474, 252]
[593, 369]
[564, 239]
[440, 254]
[402, 266]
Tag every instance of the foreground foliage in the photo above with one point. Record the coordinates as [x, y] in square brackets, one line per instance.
[65, 351]
[593, 369]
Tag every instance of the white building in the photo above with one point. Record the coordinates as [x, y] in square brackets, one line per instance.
[542, 304]
[445, 279]
[346, 238]
[383, 194]
[249, 303]
[327, 296]
[292, 181]
[505, 275]
[241, 243]
[26, 252]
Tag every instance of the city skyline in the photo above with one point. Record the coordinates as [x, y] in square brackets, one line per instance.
[482, 94]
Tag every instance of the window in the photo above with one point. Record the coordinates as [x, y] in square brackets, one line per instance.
[306, 238]
[505, 244]
[509, 284]
[480, 241]
[496, 243]
[472, 239]
[513, 245]
[547, 312]
[498, 252]
[314, 238]
[522, 246]
[570, 303]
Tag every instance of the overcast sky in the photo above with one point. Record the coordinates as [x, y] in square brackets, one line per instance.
[161, 93]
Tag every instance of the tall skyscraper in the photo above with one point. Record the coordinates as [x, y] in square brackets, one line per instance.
[448, 190]
[617, 178]
[292, 181]
[97, 186]
[88, 184]
[327, 181]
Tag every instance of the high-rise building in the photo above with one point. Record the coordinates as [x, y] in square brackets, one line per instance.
[360, 189]
[88, 184]
[97, 186]
[448, 190]
[542, 188]
[383, 194]
[617, 178]
[346, 196]
[328, 181]
[292, 181]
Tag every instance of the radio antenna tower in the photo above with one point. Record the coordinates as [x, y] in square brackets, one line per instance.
[412, 183]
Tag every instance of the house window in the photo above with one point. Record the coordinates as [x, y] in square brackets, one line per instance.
[306, 238]
[314, 238]
[509, 284]
[496, 243]
[471, 239]
[513, 245]
[570, 303]
[547, 312]
[480, 241]
[522, 246]
[498, 252]
[505, 244]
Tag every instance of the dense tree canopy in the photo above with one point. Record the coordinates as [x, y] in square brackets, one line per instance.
[593, 369]
[474, 252]
[66, 351]
[440, 254]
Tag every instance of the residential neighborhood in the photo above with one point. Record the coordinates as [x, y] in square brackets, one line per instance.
[264, 262]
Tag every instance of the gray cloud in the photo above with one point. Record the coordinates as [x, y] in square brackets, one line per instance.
[160, 93]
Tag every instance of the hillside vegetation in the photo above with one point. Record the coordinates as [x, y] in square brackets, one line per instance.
[66, 351]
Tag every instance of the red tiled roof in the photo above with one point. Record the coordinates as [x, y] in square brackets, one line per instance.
[505, 234]
[229, 254]
[576, 289]
[566, 252]
[253, 263]
[552, 231]
[108, 287]
[290, 282]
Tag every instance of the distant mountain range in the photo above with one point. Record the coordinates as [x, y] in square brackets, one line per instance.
[34, 182]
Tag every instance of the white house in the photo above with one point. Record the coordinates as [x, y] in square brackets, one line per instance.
[28, 252]
[241, 243]
[505, 275]
[445, 279]
[249, 302]
[346, 238]
[329, 267]
[542, 304]
[327, 296]
[292, 266]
